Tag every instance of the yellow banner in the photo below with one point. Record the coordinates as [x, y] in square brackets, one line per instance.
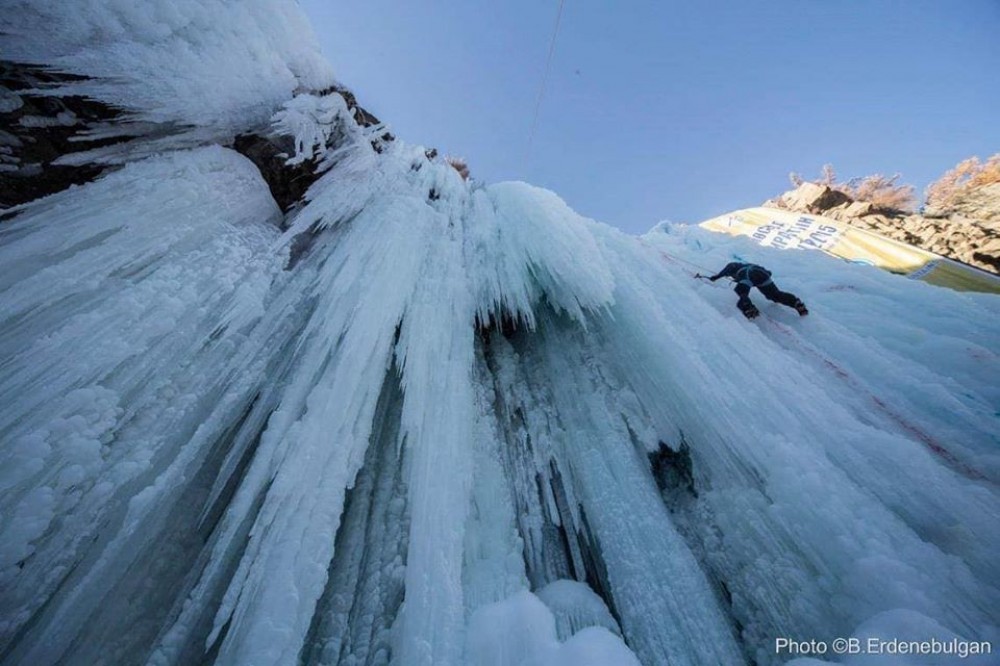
[789, 230]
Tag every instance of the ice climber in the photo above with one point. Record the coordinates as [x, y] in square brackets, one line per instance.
[746, 276]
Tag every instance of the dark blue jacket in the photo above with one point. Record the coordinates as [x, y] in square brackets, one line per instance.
[745, 273]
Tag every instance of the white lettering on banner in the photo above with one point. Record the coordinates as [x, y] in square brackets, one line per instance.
[804, 232]
[785, 229]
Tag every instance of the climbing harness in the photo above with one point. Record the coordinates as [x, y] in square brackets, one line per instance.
[747, 280]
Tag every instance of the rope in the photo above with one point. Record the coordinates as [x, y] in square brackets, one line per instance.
[700, 271]
[545, 80]
[670, 257]
[901, 421]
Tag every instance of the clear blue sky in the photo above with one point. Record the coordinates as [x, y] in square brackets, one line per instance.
[677, 110]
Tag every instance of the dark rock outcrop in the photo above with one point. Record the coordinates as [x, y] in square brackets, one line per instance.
[288, 183]
[673, 469]
[36, 129]
[270, 152]
[967, 231]
[810, 198]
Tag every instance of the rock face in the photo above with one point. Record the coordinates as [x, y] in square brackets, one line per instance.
[35, 130]
[968, 230]
[811, 198]
[978, 203]
[270, 151]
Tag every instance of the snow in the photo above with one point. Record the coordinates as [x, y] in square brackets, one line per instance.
[575, 607]
[212, 66]
[143, 278]
[411, 421]
[62, 119]
[312, 120]
[9, 100]
[520, 631]
[229, 392]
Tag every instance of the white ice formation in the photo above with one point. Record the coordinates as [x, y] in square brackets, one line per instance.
[422, 420]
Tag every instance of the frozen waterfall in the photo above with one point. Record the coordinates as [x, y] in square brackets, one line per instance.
[412, 419]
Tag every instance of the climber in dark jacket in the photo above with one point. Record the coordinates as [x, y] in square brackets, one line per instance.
[748, 275]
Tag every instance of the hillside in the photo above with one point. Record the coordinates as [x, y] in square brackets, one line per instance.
[968, 229]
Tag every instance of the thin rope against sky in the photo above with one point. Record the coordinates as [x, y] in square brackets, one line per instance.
[545, 79]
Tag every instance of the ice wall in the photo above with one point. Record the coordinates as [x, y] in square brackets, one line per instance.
[423, 420]
[213, 66]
